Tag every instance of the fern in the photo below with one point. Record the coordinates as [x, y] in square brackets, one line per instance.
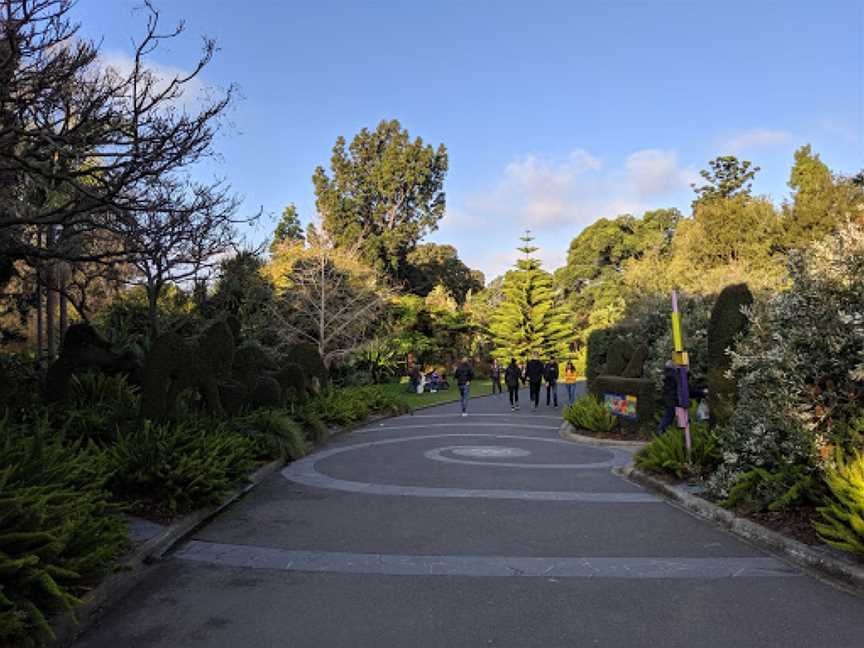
[667, 453]
[588, 413]
[842, 524]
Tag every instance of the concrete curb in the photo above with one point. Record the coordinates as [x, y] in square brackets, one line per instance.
[801, 554]
[568, 433]
[133, 568]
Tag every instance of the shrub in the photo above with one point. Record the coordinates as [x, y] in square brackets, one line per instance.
[588, 413]
[273, 434]
[726, 324]
[58, 531]
[790, 485]
[177, 467]
[99, 405]
[842, 524]
[667, 453]
[314, 428]
[353, 404]
[597, 348]
[799, 366]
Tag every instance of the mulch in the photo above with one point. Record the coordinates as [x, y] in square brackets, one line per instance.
[622, 434]
[795, 522]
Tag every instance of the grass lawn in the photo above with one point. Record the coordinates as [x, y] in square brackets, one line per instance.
[479, 387]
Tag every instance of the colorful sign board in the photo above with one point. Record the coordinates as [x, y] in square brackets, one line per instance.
[621, 405]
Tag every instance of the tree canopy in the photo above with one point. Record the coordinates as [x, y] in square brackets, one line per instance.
[385, 190]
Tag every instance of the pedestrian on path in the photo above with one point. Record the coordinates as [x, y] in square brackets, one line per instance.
[570, 379]
[550, 373]
[495, 375]
[670, 395]
[512, 377]
[534, 376]
[464, 375]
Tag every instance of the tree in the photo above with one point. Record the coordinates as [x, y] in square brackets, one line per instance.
[332, 300]
[386, 191]
[528, 320]
[431, 264]
[182, 244]
[820, 202]
[289, 229]
[727, 177]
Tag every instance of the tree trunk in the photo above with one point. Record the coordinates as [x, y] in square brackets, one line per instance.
[64, 303]
[50, 301]
[152, 309]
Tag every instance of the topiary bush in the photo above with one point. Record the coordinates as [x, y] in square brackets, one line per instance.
[588, 413]
[643, 388]
[177, 467]
[842, 523]
[59, 533]
[726, 324]
[667, 453]
[597, 348]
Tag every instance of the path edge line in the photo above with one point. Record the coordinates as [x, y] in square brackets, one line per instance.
[836, 569]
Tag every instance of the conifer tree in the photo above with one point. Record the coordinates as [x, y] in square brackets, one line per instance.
[528, 320]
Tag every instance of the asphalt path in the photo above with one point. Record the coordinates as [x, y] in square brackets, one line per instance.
[488, 530]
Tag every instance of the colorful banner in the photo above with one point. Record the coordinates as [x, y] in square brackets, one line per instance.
[621, 405]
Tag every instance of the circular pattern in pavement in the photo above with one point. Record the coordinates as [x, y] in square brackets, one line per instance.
[493, 452]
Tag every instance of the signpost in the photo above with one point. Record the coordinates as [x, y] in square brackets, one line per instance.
[621, 405]
[682, 365]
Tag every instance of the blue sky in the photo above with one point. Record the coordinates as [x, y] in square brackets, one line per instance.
[554, 113]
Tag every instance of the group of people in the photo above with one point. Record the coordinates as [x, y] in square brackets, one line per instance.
[534, 373]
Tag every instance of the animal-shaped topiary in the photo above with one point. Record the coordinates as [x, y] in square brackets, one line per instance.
[727, 322]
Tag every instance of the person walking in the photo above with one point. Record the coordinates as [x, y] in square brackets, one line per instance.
[495, 375]
[464, 375]
[570, 378]
[550, 373]
[512, 378]
[670, 396]
[534, 376]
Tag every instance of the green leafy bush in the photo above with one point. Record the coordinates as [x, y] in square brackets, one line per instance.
[314, 428]
[667, 453]
[791, 485]
[842, 524]
[273, 434]
[588, 413]
[180, 466]
[353, 404]
[99, 406]
[58, 531]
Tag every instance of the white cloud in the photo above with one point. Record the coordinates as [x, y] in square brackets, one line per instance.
[758, 138]
[541, 192]
[194, 90]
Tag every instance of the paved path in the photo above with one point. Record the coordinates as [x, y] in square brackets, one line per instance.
[436, 530]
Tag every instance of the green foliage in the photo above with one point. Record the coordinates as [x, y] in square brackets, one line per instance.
[588, 413]
[432, 264]
[353, 404]
[385, 190]
[727, 177]
[20, 390]
[790, 485]
[99, 406]
[274, 433]
[727, 323]
[314, 429]
[667, 453]
[842, 523]
[800, 365]
[177, 467]
[528, 320]
[58, 531]
[242, 292]
[289, 229]
[598, 347]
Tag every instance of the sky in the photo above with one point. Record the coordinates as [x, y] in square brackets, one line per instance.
[554, 114]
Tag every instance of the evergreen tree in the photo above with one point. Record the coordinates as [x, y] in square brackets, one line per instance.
[288, 229]
[528, 320]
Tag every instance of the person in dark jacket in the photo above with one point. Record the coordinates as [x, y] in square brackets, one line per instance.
[550, 373]
[512, 378]
[495, 375]
[534, 376]
[670, 395]
[464, 375]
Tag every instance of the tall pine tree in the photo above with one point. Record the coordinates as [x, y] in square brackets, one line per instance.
[528, 320]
